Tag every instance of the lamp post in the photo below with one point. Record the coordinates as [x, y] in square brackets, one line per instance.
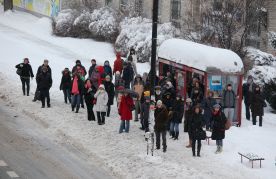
[154, 44]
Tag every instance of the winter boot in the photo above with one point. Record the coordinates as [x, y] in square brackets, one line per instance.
[172, 134]
[217, 151]
[193, 149]
[220, 149]
[198, 149]
[190, 144]
[164, 148]
[73, 108]
[77, 109]
[176, 136]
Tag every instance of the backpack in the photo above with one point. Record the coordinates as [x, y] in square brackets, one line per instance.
[19, 71]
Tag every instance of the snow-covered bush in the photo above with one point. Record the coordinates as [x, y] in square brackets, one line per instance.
[264, 67]
[270, 93]
[81, 24]
[136, 33]
[104, 24]
[63, 23]
[272, 39]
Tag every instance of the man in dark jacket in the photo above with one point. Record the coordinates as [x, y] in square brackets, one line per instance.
[92, 67]
[44, 81]
[207, 105]
[39, 71]
[229, 102]
[247, 91]
[65, 85]
[109, 88]
[160, 127]
[178, 113]
[26, 73]
[257, 106]
[145, 110]
[128, 74]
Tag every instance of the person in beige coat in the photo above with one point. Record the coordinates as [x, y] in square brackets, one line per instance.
[101, 104]
[139, 89]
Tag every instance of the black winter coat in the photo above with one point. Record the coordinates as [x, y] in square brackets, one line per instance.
[89, 96]
[195, 125]
[128, 74]
[66, 81]
[188, 117]
[197, 98]
[145, 110]
[44, 81]
[247, 95]
[178, 111]
[219, 121]
[91, 69]
[258, 104]
[109, 88]
[169, 103]
[161, 119]
[27, 70]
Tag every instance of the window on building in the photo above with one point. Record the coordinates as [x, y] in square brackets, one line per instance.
[123, 5]
[175, 9]
[108, 2]
[217, 5]
[138, 7]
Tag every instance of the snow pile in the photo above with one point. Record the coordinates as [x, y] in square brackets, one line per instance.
[272, 39]
[200, 56]
[264, 69]
[63, 23]
[102, 24]
[136, 33]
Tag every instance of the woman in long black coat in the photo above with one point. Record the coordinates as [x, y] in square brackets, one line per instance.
[187, 119]
[65, 84]
[26, 73]
[177, 117]
[110, 89]
[218, 133]
[195, 126]
[257, 106]
[89, 92]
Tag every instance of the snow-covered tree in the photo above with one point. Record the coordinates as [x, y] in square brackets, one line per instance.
[81, 24]
[272, 39]
[136, 33]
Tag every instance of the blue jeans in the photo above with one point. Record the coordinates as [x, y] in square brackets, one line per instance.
[67, 95]
[174, 127]
[124, 126]
[219, 142]
[76, 101]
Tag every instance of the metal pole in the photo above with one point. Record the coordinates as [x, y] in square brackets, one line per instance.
[154, 44]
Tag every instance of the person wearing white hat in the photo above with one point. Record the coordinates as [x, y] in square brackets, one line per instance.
[101, 104]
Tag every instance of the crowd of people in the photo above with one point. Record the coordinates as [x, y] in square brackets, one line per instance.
[132, 95]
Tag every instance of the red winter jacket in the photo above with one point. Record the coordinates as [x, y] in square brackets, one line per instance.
[118, 64]
[125, 108]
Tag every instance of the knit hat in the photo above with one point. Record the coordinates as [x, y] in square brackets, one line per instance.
[189, 100]
[159, 102]
[118, 73]
[102, 86]
[107, 77]
[78, 61]
[216, 106]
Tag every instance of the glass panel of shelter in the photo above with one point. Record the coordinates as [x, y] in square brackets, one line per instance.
[218, 83]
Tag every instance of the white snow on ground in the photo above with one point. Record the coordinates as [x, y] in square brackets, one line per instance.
[123, 154]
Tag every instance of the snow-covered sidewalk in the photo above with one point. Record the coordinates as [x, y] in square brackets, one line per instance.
[23, 35]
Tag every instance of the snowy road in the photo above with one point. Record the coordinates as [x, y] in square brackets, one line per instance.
[29, 150]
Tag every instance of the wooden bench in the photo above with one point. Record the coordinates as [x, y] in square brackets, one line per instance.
[251, 158]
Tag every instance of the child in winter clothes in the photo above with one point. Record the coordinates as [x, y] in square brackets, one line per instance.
[145, 110]
[109, 87]
[195, 126]
[188, 118]
[219, 121]
[89, 93]
[101, 104]
[177, 117]
[125, 111]
[65, 85]
[77, 91]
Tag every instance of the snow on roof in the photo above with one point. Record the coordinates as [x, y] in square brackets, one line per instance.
[202, 57]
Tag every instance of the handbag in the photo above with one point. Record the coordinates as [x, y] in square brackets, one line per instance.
[19, 71]
[201, 135]
[38, 95]
[228, 124]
